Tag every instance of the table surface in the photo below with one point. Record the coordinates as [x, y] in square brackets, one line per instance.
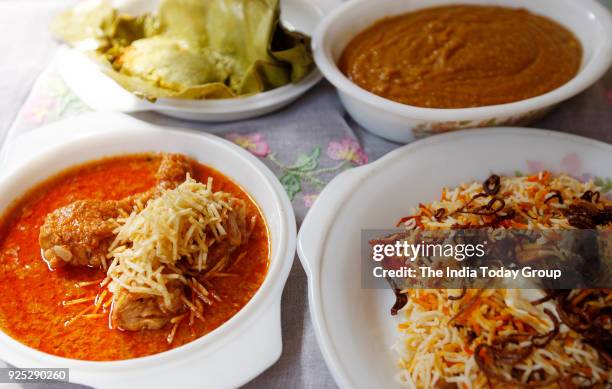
[315, 122]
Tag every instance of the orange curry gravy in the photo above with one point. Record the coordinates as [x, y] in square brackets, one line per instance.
[31, 308]
[462, 56]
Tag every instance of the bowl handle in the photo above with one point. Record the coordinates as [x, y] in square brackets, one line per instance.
[321, 215]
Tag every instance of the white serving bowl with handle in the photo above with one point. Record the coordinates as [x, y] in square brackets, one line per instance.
[587, 19]
[353, 325]
[232, 354]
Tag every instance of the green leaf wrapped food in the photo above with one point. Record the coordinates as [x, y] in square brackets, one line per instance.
[191, 49]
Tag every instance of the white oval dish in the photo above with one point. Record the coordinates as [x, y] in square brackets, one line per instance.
[229, 356]
[101, 93]
[353, 326]
[589, 20]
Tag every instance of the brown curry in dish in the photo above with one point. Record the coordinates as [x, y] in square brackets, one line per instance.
[462, 56]
[54, 260]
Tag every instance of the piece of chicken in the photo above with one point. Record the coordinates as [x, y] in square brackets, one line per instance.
[172, 171]
[80, 233]
[238, 230]
[135, 311]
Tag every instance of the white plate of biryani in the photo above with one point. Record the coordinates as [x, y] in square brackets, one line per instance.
[366, 347]
[134, 255]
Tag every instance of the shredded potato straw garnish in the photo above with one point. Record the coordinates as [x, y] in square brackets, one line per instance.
[163, 241]
[179, 225]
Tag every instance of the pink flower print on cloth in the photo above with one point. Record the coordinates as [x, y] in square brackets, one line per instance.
[347, 149]
[253, 142]
[309, 199]
[38, 109]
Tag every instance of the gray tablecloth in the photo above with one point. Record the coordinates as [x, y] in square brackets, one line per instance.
[305, 144]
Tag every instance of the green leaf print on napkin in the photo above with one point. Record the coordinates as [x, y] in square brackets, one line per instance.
[292, 184]
[304, 169]
[308, 162]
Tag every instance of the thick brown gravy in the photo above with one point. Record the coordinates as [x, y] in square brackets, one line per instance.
[462, 56]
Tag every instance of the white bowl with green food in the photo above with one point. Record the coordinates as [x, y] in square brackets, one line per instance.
[197, 61]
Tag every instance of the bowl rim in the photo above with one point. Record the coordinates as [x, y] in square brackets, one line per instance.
[241, 103]
[271, 289]
[588, 74]
[312, 244]
[70, 57]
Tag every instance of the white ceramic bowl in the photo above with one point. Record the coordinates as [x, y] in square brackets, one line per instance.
[232, 354]
[101, 93]
[588, 19]
[353, 325]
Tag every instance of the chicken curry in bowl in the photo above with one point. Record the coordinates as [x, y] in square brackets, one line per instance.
[128, 256]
